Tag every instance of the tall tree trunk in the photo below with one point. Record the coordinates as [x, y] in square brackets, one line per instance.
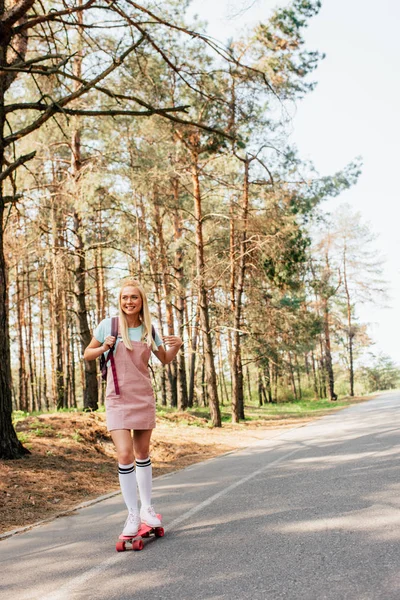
[249, 383]
[172, 366]
[10, 446]
[192, 359]
[180, 302]
[160, 325]
[232, 256]
[203, 383]
[43, 369]
[210, 373]
[328, 354]
[350, 332]
[275, 380]
[59, 353]
[315, 381]
[22, 375]
[298, 377]
[291, 373]
[267, 374]
[237, 370]
[100, 284]
[150, 249]
[322, 370]
[222, 379]
[32, 348]
[66, 348]
[56, 295]
[90, 393]
[100, 305]
[260, 388]
[307, 369]
[72, 396]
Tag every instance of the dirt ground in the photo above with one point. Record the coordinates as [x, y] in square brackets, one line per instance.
[72, 459]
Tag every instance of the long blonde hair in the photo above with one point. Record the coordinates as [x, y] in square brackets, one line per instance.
[144, 316]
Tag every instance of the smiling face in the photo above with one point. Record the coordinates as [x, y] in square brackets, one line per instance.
[131, 301]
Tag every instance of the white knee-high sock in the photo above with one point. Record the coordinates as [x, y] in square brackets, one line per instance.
[127, 481]
[144, 475]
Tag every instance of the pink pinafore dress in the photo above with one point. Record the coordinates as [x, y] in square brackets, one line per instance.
[134, 407]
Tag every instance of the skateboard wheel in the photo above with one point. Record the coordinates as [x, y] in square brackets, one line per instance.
[120, 547]
[137, 545]
[159, 532]
[146, 535]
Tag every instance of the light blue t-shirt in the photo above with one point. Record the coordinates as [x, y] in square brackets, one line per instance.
[103, 329]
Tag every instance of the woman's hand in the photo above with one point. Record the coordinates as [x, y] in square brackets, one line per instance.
[96, 349]
[109, 342]
[172, 340]
[174, 343]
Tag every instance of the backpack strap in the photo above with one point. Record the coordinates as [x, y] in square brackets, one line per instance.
[114, 326]
[110, 357]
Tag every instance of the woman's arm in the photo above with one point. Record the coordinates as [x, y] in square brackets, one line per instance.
[95, 349]
[166, 356]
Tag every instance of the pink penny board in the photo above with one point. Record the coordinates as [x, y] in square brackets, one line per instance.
[127, 542]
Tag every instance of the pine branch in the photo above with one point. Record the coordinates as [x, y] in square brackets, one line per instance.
[20, 161]
[11, 199]
[15, 13]
[53, 108]
[93, 113]
[51, 16]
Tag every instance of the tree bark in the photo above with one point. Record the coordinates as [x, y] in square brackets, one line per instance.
[249, 383]
[192, 360]
[10, 446]
[172, 366]
[91, 391]
[350, 332]
[237, 370]
[209, 365]
[328, 354]
[22, 376]
[315, 381]
[180, 302]
[267, 375]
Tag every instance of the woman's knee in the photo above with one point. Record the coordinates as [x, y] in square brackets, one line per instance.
[124, 446]
[141, 443]
[125, 456]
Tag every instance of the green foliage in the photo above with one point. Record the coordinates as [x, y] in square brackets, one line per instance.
[279, 48]
[283, 270]
[383, 374]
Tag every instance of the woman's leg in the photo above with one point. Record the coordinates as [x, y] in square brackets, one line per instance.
[123, 443]
[141, 443]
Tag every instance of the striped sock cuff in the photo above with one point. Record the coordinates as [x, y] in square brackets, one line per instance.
[146, 462]
[126, 469]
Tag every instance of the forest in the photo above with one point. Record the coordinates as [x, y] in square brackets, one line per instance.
[132, 143]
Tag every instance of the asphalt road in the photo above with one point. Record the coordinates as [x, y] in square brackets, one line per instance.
[310, 513]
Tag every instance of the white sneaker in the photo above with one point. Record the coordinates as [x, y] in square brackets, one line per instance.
[149, 517]
[132, 524]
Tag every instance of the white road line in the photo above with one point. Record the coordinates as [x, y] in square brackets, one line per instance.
[65, 591]
[212, 499]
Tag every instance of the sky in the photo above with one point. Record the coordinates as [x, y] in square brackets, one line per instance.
[353, 111]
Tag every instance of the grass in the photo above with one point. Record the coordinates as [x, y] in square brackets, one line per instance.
[199, 416]
[280, 411]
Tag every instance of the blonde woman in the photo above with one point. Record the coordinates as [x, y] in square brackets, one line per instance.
[133, 408]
